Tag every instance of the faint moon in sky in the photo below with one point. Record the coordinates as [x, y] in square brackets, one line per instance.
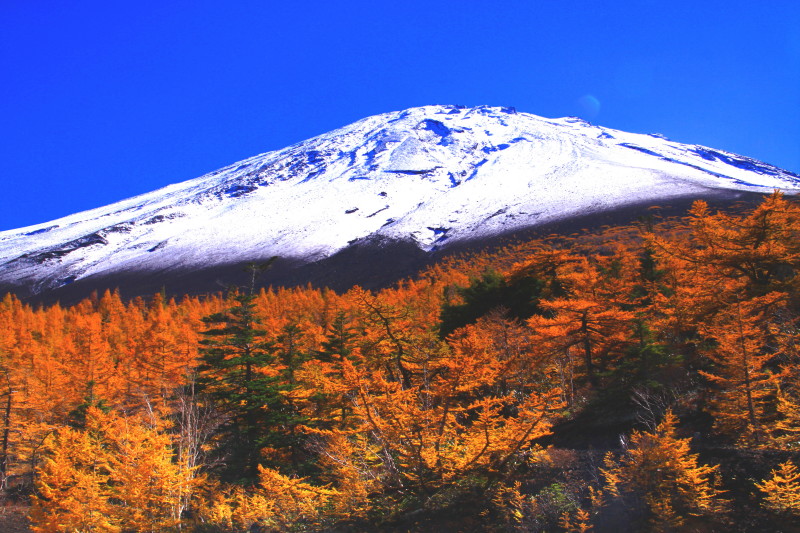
[590, 106]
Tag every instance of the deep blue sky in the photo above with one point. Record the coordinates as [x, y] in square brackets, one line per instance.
[102, 100]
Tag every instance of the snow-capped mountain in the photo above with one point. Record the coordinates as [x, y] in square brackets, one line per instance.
[431, 176]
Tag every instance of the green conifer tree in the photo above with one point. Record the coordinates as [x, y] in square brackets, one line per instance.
[241, 371]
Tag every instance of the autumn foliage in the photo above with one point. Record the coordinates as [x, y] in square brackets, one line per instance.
[567, 383]
[659, 473]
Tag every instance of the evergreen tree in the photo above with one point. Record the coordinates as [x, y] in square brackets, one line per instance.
[239, 373]
[519, 296]
[77, 417]
[242, 372]
[338, 341]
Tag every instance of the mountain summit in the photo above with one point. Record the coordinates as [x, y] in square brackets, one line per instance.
[428, 177]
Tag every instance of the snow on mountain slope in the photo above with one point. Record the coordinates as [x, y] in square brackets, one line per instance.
[434, 175]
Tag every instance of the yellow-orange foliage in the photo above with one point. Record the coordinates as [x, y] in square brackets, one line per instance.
[151, 487]
[397, 411]
[589, 324]
[782, 490]
[786, 431]
[743, 384]
[116, 474]
[278, 502]
[733, 292]
[660, 469]
[455, 419]
[579, 523]
[74, 486]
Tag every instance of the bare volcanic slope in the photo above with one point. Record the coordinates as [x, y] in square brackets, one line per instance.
[404, 184]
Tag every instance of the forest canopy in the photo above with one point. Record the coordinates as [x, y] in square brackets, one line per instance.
[641, 376]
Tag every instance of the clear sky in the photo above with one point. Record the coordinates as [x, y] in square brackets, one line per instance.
[102, 100]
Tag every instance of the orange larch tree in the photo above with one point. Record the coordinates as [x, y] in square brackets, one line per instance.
[590, 324]
[782, 490]
[453, 420]
[658, 475]
[743, 387]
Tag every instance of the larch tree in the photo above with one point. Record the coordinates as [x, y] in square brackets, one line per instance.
[781, 490]
[659, 477]
[743, 386]
[74, 483]
[151, 488]
[116, 474]
[456, 421]
[589, 324]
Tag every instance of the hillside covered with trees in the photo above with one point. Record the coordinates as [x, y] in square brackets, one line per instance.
[642, 377]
